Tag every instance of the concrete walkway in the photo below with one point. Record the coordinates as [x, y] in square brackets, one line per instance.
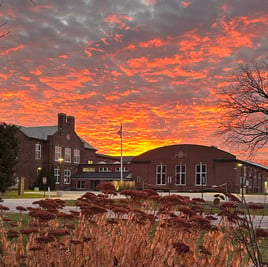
[73, 195]
[207, 196]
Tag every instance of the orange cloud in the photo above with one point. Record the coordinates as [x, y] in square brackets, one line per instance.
[39, 7]
[37, 71]
[69, 81]
[10, 50]
[4, 76]
[118, 19]
[149, 2]
[64, 56]
[185, 4]
[152, 43]
[161, 81]
[25, 78]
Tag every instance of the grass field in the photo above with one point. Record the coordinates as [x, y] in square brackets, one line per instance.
[26, 194]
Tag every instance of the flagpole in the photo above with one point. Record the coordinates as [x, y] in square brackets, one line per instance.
[121, 153]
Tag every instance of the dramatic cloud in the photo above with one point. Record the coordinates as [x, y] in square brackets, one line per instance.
[156, 66]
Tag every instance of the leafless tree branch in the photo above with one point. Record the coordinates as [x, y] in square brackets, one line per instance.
[245, 123]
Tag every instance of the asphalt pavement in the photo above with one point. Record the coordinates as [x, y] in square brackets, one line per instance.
[69, 195]
[208, 196]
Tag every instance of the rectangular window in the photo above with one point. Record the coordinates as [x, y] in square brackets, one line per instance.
[200, 174]
[161, 174]
[67, 154]
[88, 169]
[76, 156]
[180, 174]
[80, 184]
[125, 169]
[58, 154]
[105, 169]
[90, 161]
[67, 176]
[37, 151]
[57, 175]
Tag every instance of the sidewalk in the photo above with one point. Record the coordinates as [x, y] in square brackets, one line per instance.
[206, 196]
[73, 195]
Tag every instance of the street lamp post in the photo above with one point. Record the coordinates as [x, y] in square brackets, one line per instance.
[44, 180]
[202, 180]
[169, 183]
[61, 160]
[202, 186]
[38, 174]
[38, 170]
[242, 178]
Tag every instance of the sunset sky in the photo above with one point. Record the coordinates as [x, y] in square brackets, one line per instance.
[157, 66]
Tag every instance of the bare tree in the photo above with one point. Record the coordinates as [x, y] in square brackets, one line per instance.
[3, 33]
[245, 123]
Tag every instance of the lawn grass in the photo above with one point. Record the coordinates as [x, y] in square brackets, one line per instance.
[21, 218]
[211, 208]
[27, 194]
[70, 202]
[264, 249]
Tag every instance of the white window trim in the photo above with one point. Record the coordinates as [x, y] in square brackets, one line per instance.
[125, 169]
[58, 153]
[105, 169]
[180, 174]
[162, 174]
[76, 156]
[203, 174]
[67, 176]
[67, 154]
[57, 175]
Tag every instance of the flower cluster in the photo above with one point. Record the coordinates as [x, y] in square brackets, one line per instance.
[144, 229]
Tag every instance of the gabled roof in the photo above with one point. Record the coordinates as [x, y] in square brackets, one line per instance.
[255, 164]
[42, 132]
[86, 144]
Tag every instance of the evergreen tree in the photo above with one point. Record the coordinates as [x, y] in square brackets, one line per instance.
[8, 155]
[42, 173]
[49, 174]
[51, 179]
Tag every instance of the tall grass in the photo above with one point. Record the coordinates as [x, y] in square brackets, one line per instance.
[144, 229]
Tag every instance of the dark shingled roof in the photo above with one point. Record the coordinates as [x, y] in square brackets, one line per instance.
[42, 132]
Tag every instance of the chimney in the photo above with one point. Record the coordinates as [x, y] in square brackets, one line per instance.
[71, 122]
[61, 120]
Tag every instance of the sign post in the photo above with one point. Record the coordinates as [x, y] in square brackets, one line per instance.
[44, 179]
[21, 185]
